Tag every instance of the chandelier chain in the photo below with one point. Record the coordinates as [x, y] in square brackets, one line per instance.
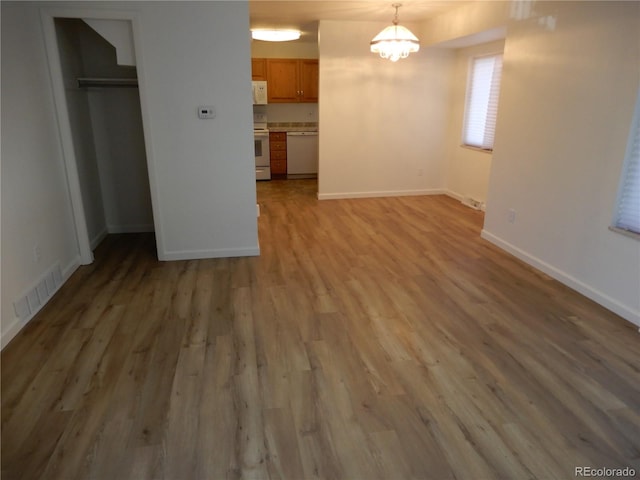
[395, 18]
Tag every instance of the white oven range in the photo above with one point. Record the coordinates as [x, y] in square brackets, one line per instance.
[261, 146]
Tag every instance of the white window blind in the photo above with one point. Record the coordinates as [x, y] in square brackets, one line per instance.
[628, 211]
[481, 107]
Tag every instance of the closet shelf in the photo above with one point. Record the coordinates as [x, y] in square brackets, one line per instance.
[107, 82]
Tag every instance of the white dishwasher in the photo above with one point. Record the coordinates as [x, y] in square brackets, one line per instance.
[302, 154]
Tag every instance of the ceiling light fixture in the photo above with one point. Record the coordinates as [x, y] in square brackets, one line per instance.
[395, 41]
[275, 35]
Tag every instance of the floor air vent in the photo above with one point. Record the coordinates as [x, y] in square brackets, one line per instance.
[36, 297]
[473, 203]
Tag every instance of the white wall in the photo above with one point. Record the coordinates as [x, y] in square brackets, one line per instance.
[557, 158]
[198, 53]
[119, 141]
[469, 20]
[203, 175]
[382, 124]
[293, 49]
[290, 112]
[68, 36]
[119, 34]
[118, 134]
[467, 171]
[36, 209]
[565, 112]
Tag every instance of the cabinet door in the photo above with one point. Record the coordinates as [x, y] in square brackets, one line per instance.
[278, 155]
[258, 69]
[278, 137]
[278, 145]
[281, 80]
[278, 167]
[308, 78]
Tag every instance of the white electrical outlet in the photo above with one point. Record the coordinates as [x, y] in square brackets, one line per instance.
[511, 216]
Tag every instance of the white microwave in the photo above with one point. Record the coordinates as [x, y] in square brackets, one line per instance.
[259, 92]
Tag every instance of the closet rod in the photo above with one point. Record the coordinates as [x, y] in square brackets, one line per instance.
[107, 82]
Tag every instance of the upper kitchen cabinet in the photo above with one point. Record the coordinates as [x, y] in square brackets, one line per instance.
[282, 80]
[308, 70]
[291, 80]
[258, 69]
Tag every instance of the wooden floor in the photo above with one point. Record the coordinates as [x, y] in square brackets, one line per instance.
[373, 339]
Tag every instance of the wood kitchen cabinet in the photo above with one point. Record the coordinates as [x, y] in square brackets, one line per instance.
[309, 71]
[278, 152]
[258, 69]
[292, 80]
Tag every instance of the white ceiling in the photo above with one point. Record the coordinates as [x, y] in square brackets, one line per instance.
[305, 14]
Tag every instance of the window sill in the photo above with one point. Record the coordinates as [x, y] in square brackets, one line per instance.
[477, 149]
[626, 233]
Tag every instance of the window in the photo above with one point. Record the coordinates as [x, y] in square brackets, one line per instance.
[481, 108]
[628, 207]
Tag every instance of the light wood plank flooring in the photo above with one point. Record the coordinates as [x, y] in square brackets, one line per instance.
[373, 339]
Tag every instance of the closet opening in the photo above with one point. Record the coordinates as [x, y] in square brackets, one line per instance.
[99, 76]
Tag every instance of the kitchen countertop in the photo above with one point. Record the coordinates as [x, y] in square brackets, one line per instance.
[293, 127]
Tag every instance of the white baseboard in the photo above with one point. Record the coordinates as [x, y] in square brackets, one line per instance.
[70, 269]
[131, 228]
[16, 324]
[597, 296]
[95, 241]
[139, 228]
[375, 194]
[217, 253]
[461, 199]
[453, 195]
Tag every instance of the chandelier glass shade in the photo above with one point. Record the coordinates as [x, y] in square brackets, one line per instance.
[395, 41]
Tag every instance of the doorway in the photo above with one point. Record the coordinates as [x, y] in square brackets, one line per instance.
[101, 124]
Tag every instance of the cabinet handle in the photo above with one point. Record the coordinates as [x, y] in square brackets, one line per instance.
[302, 93]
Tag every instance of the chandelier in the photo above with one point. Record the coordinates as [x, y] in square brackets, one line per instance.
[395, 41]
